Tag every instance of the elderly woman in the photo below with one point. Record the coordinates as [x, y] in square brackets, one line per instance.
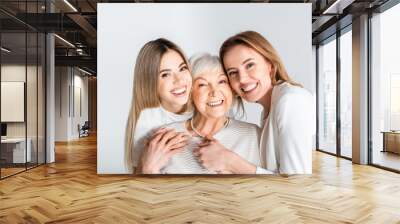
[212, 98]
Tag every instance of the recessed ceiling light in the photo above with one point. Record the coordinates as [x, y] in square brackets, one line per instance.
[70, 5]
[337, 7]
[65, 41]
[84, 71]
[5, 50]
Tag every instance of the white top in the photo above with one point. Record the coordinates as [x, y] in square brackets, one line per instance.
[240, 137]
[286, 138]
[149, 120]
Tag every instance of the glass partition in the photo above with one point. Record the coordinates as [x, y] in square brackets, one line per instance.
[13, 104]
[22, 78]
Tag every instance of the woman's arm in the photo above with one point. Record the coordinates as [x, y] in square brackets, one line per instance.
[238, 165]
[215, 157]
[226, 162]
[295, 124]
[159, 150]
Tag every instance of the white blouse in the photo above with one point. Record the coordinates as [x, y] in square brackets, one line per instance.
[286, 138]
[239, 137]
[149, 120]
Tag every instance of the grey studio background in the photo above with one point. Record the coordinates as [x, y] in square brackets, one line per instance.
[124, 28]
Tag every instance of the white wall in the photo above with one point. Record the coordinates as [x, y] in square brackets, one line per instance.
[67, 81]
[124, 28]
[61, 103]
[18, 73]
[33, 126]
[80, 83]
[12, 100]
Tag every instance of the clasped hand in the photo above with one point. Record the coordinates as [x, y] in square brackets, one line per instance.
[163, 144]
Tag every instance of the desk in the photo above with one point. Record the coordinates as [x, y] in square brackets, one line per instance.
[16, 147]
[391, 141]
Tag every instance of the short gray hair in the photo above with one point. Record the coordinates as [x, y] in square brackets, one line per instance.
[203, 62]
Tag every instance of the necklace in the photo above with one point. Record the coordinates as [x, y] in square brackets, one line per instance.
[199, 134]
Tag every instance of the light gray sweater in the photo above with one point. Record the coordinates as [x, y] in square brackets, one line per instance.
[239, 137]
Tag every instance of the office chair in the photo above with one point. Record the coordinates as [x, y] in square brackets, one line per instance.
[84, 130]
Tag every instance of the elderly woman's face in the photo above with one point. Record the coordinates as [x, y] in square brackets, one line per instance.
[212, 95]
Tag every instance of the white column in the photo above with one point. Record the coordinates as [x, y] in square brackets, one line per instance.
[360, 90]
[50, 92]
[50, 100]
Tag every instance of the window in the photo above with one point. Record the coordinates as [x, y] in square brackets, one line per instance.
[346, 95]
[385, 89]
[327, 97]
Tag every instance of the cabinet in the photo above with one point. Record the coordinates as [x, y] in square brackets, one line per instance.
[391, 141]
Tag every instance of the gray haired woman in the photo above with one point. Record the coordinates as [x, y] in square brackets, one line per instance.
[212, 98]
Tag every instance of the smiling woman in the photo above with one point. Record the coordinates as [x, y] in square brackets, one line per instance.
[174, 82]
[257, 74]
[161, 68]
[212, 98]
[199, 35]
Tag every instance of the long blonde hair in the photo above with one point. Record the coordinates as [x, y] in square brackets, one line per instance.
[258, 43]
[145, 83]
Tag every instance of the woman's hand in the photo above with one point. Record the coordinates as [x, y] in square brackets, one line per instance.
[161, 147]
[215, 157]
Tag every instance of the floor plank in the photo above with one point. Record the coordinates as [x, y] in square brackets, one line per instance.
[70, 191]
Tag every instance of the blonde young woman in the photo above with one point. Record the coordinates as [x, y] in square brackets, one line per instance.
[212, 98]
[257, 74]
[161, 89]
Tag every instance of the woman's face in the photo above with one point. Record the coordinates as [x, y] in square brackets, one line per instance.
[211, 93]
[248, 71]
[174, 81]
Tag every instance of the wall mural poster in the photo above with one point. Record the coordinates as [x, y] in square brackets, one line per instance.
[197, 89]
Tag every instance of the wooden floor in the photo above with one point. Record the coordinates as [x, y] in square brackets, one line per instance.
[387, 159]
[70, 191]
[5, 172]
